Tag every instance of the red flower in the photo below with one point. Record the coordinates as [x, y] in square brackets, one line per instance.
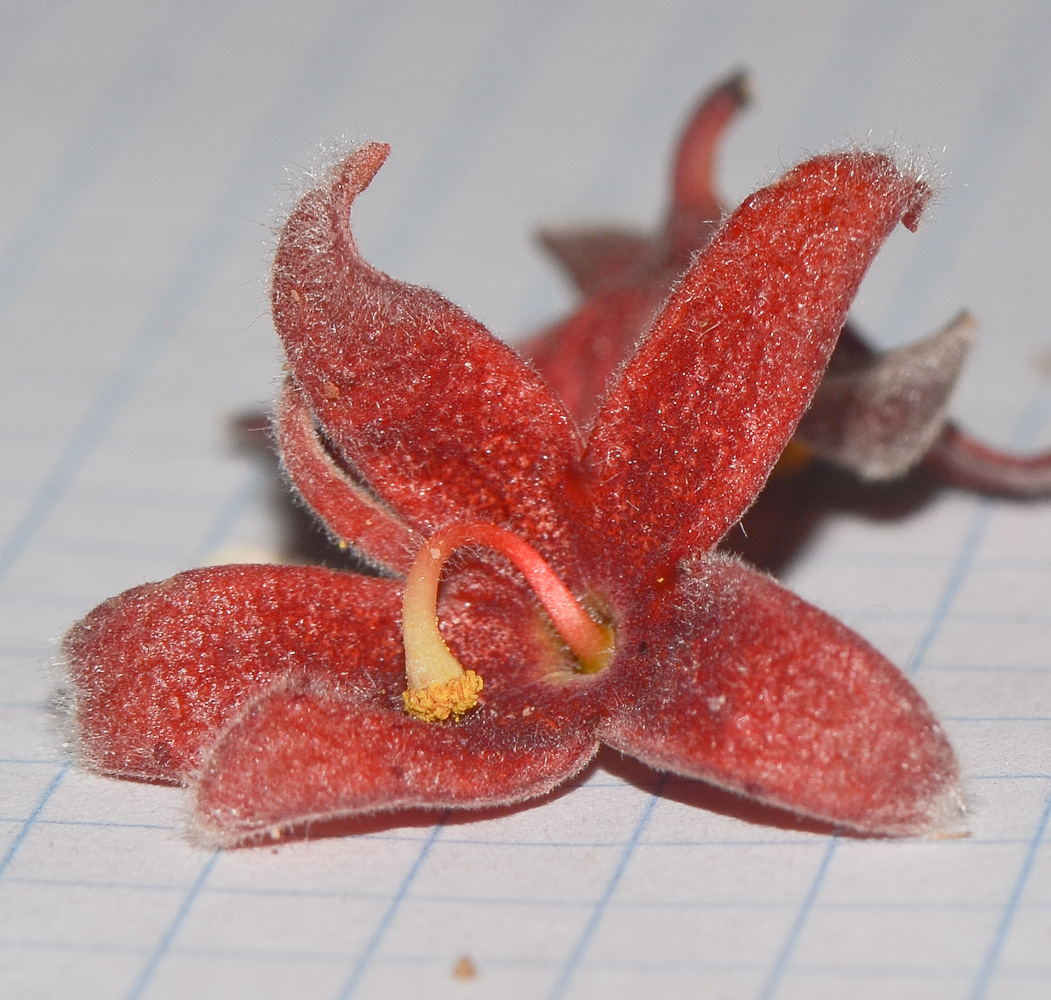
[585, 603]
[876, 414]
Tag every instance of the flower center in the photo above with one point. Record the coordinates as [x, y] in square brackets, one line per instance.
[438, 686]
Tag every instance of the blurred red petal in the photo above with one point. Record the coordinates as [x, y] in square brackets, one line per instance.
[961, 460]
[696, 209]
[579, 355]
[597, 258]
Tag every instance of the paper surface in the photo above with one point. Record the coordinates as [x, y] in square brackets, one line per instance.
[144, 155]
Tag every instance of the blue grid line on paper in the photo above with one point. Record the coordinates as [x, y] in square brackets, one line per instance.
[961, 844]
[883, 613]
[450, 838]
[961, 567]
[149, 970]
[784, 956]
[127, 548]
[1016, 83]
[993, 718]
[123, 109]
[109, 823]
[1010, 668]
[875, 560]
[30, 762]
[572, 964]
[70, 946]
[151, 887]
[31, 820]
[906, 846]
[239, 501]
[992, 957]
[367, 956]
[279, 957]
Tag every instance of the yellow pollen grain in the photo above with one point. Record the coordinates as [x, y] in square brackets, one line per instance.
[465, 968]
[436, 702]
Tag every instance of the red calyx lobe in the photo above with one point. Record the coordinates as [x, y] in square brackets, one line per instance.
[437, 414]
[694, 424]
[776, 700]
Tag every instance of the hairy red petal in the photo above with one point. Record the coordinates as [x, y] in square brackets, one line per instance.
[579, 355]
[745, 685]
[313, 749]
[444, 422]
[158, 670]
[346, 506]
[304, 754]
[687, 437]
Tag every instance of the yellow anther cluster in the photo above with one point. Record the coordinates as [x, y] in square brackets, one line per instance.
[436, 702]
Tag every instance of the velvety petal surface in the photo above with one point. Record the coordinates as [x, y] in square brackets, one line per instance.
[318, 747]
[277, 691]
[734, 680]
[689, 433]
[442, 420]
[347, 507]
[305, 753]
[158, 670]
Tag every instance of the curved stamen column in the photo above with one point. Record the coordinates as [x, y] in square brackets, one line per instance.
[438, 686]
